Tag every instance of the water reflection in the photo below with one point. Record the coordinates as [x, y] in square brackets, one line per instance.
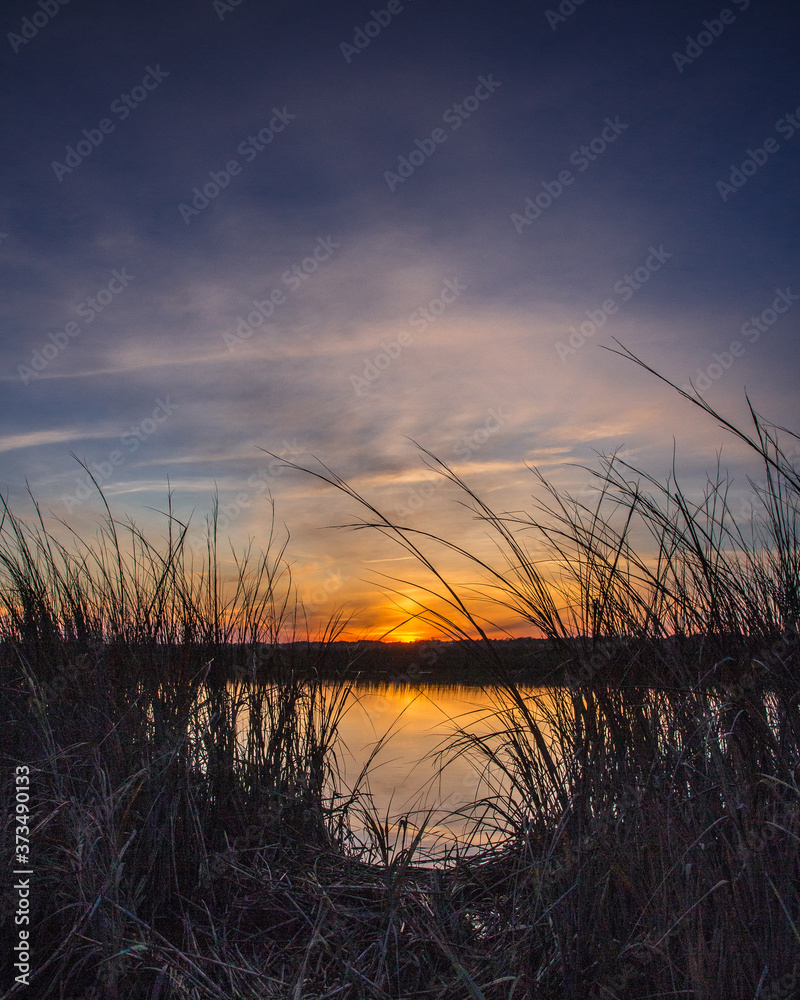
[402, 738]
[407, 776]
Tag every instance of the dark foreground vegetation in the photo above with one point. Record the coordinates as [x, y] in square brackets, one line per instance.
[189, 836]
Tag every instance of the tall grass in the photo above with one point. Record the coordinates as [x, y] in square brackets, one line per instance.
[643, 566]
[122, 587]
[652, 804]
[191, 837]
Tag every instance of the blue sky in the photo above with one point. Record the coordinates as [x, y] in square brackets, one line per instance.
[322, 231]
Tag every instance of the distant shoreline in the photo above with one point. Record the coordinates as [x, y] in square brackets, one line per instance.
[673, 663]
[670, 662]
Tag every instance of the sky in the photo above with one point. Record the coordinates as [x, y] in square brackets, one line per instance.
[333, 232]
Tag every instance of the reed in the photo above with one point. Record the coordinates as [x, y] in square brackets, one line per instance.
[192, 836]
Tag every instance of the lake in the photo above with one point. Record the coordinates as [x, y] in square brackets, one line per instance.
[406, 776]
[407, 750]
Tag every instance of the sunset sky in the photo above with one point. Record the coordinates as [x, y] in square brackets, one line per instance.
[330, 230]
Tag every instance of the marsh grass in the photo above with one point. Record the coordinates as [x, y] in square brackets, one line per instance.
[192, 838]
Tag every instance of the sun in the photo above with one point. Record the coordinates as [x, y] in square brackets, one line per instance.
[406, 637]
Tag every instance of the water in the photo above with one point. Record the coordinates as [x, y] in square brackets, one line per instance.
[398, 746]
[408, 775]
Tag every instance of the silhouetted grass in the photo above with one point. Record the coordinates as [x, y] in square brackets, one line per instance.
[191, 836]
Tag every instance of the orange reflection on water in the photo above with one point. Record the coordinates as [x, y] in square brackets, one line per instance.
[396, 745]
[416, 725]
